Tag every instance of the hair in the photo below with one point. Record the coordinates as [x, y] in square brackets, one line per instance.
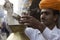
[6, 4]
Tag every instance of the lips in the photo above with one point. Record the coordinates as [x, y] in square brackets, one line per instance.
[43, 21]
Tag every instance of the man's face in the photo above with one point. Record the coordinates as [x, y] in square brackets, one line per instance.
[47, 17]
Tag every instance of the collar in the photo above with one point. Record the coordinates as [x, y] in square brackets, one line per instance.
[47, 30]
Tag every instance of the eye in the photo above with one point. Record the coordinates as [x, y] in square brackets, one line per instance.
[46, 13]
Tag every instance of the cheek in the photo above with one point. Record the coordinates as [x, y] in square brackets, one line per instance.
[50, 18]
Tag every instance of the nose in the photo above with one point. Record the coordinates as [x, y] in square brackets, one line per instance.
[43, 16]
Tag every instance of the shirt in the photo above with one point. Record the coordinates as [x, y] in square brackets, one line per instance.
[35, 34]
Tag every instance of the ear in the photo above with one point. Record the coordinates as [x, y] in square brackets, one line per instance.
[55, 17]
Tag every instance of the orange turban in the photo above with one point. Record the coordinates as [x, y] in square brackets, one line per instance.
[53, 4]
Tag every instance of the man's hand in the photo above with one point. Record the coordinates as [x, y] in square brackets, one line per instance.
[33, 22]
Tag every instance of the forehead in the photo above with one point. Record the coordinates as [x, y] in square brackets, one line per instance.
[46, 10]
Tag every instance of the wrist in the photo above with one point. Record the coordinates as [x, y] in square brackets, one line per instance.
[40, 26]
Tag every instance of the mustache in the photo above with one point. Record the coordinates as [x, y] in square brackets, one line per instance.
[43, 19]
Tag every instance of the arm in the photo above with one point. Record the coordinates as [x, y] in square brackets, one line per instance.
[33, 22]
[34, 34]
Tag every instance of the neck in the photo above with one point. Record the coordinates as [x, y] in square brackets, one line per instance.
[51, 26]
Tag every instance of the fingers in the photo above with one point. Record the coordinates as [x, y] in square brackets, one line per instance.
[26, 17]
[24, 13]
[24, 21]
[17, 18]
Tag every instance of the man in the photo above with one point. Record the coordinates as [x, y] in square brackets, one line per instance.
[47, 29]
[8, 6]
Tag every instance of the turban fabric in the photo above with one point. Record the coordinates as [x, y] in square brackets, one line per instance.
[52, 4]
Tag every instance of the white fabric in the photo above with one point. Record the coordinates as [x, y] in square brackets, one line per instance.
[35, 34]
[52, 34]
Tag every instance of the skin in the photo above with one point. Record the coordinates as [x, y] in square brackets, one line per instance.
[48, 19]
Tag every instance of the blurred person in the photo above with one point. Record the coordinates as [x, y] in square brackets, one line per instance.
[3, 25]
[8, 6]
